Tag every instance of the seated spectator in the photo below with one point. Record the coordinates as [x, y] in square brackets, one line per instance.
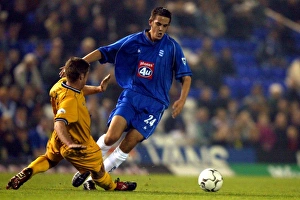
[68, 38]
[50, 67]
[52, 24]
[186, 19]
[27, 72]
[206, 99]
[239, 19]
[20, 118]
[269, 52]
[105, 108]
[98, 31]
[93, 105]
[255, 102]
[267, 137]
[7, 107]
[99, 111]
[207, 49]
[280, 126]
[6, 128]
[293, 143]
[233, 108]
[5, 74]
[223, 97]
[15, 141]
[15, 93]
[22, 142]
[245, 132]
[214, 19]
[221, 134]
[39, 135]
[14, 58]
[283, 105]
[199, 60]
[225, 62]
[32, 101]
[204, 127]
[87, 45]
[211, 74]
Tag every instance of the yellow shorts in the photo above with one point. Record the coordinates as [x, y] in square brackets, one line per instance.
[89, 159]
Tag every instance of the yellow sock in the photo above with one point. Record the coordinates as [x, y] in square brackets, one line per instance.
[41, 164]
[106, 182]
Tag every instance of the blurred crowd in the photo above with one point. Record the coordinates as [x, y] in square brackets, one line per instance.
[38, 36]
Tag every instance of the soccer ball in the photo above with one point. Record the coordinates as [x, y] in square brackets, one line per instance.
[210, 180]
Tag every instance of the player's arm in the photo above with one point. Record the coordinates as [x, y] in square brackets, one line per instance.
[64, 136]
[93, 56]
[90, 89]
[178, 105]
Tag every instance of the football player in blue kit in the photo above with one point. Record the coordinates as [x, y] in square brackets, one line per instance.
[145, 64]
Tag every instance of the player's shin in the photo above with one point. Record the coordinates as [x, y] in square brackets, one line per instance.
[105, 182]
[41, 164]
[114, 160]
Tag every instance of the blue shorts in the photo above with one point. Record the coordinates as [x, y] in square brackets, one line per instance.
[141, 112]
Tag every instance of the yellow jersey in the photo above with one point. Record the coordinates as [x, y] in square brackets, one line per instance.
[69, 106]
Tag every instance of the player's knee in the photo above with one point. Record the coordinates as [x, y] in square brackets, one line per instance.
[110, 139]
[51, 162]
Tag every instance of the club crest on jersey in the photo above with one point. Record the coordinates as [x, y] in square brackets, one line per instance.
[145, 69]
[183, 60]
[161, 53]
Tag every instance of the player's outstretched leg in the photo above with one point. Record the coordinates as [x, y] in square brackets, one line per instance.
[19, 179]
[79, 178]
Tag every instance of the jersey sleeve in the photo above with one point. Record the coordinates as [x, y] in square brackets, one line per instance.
[181, 66]
[67, 110]
[109, 52]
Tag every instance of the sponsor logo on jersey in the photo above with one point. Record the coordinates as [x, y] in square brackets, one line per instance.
[61, 111]
[145, 69]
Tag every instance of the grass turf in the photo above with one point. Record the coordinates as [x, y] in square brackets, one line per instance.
[58, 186]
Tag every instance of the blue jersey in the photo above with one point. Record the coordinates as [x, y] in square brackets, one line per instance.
[147, 67]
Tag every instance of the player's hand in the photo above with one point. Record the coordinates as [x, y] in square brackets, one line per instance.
[177, 107]
[62, 72]
[77, 146]
[104, 83]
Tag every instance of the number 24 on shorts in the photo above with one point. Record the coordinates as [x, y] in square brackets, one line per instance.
[150, 120]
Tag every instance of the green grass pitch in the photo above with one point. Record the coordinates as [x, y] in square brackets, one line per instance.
[153, 187]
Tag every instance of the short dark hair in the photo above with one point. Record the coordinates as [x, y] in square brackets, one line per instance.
[74, 67]
[161, 11]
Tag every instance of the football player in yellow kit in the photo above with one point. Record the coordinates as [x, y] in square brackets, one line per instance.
[71, 138]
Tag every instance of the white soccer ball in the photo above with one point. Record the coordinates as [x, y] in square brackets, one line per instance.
[210, 180]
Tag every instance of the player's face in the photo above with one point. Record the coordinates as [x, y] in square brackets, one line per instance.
[158, 27]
